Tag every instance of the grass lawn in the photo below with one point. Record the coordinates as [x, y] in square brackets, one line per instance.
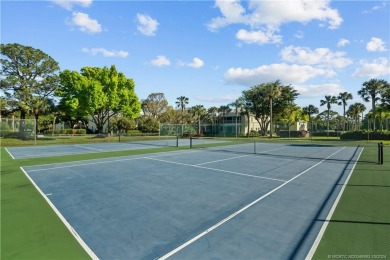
[360, 226]
[31, 230]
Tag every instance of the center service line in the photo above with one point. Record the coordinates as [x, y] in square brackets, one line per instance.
[213, 169]
[171, 253]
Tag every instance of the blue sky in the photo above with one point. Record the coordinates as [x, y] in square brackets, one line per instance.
[210, 51]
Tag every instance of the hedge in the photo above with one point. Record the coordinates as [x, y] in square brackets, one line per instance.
[67, 131]
[363, 135]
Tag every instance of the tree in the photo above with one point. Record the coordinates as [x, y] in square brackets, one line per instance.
[343, 98]
[148, 125]
[99, 93]
[39, 105]
[154, 105]
[122, 124]
[170, 116]
[198, 111]
[212, 113]
[328, 101]
[371, 90]
[224, 110]
[272, 91]
[386, 96]
[238, 105]
[354, 111]
[27, 74]
[284, 106]
[311, 110]
[181, 103]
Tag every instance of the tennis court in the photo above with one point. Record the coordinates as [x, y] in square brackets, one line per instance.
[200, 203]
[59, 150]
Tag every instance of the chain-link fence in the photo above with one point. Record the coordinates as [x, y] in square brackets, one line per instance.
[212, 130]
[18, 128]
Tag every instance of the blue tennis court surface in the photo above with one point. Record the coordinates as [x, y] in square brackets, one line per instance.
[59, 150]
[200, 204]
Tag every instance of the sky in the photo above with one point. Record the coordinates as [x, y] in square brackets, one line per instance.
[211, 51]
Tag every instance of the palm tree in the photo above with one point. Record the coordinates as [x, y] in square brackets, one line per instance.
[370, 91]
[311, 110]
[328, 101]
[212, 111]
[343, 98]
[199, 111]
[181, 103]
[224, 110]
[355, 110]
[238, 104]
[361, 108]
[272, 91]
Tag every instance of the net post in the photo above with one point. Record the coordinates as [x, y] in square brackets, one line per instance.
[190, 141]
[254, 146]
[381, 154]
[177, 141]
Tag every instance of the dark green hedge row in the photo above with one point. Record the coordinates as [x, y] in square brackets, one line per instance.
[363, 135]
[67, 132]
[285, 133]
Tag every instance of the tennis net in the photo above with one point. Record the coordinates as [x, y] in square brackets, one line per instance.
[170, 141]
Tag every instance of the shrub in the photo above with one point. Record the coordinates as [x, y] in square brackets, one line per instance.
[9, 134]
[134, 132]
[284, 133]
[79, 131]
[364, 135]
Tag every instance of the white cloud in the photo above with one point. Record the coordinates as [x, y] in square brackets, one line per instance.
[68, 4]
[372, 69]
[342, 43]
[376, 44]
[232, 12]
[315, 91]
[272, 14]
[320, 56]
[85, 23]
[258, 37]
[196, 63]
[290, 74]
[106, 53]
[375, 8]
[160, 61]
[147, 25]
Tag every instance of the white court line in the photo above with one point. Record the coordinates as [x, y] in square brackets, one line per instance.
[171, 253]
[123, 158]
[66, 223]
[90, 148]
[329, 217]
[213, 169]
[247, 155]
[9, 153]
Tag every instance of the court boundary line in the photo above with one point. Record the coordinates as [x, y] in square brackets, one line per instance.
[218, 170]
[321, 233]
[208, 230]
[9, 153]
[63, 219]
[124, 158]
